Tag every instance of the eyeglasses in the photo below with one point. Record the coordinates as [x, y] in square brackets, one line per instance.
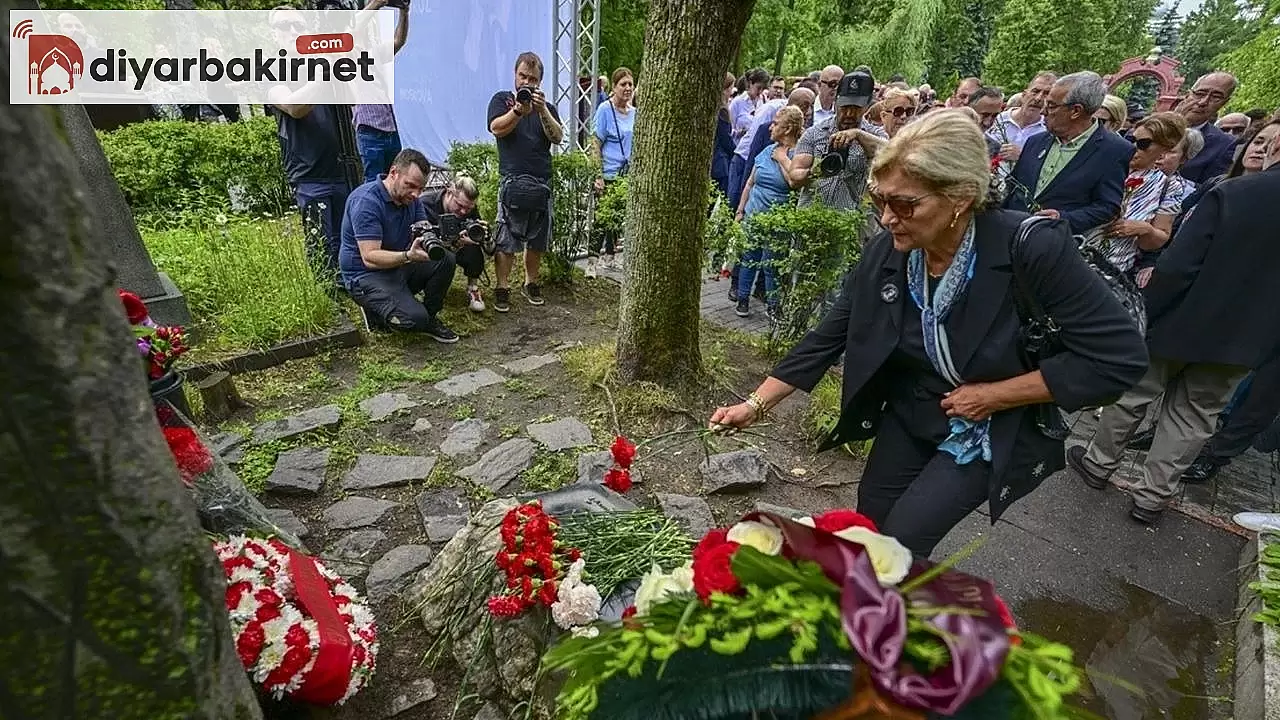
[904, 208]
[1051, 106]
[1231, 130]
[1143, 143]
[1209, 95]
[833, 84]
[904, 111]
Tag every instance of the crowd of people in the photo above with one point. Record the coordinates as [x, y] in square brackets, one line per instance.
[977, 207]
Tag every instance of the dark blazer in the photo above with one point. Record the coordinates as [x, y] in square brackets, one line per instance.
[1088, 190]
[1104, 356]
[1216, 157]
[1213, 295]
[723, 150]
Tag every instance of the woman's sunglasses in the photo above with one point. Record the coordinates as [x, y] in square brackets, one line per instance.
[904, 111]
[903, 207]
[1143, 143]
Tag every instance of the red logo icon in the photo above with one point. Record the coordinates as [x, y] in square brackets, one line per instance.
[55, 62]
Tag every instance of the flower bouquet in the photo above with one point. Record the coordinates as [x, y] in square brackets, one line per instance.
[818, 618]
[299, 629]
[159, 345]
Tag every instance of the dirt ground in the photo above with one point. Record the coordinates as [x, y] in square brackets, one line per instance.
[577, 322]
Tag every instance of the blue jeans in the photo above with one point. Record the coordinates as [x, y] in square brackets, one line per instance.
[757, 259]
[377, 149]
[738, 174]
[322, 204]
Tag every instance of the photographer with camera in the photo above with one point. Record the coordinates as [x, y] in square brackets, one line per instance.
[526, 126]
[453, 210]
[390, 252]
[833, 157]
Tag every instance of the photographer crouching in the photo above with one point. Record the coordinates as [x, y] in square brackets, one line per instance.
[453, 210]
[390, 252]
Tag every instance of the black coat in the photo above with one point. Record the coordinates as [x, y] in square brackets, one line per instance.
[1087, 192]
[1215, 158]
[1214, 295]
[1104, 356]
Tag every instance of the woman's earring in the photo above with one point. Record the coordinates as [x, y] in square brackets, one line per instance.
[955, 219]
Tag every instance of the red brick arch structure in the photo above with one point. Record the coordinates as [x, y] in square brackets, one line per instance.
[1164, 70]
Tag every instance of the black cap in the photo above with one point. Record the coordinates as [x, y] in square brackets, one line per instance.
[856, 88]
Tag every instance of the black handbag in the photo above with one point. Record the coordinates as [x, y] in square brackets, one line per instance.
[1040, 334]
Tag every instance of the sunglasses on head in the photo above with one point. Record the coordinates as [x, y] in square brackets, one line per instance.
[1143, 143]
[904, 111]
[903, 207]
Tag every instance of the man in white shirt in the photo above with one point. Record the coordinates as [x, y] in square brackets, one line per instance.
[828, 82]
[1014, 127]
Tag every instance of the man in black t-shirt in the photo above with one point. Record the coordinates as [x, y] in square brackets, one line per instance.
[525, 132]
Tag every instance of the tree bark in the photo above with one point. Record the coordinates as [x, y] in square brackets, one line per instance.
[687, 50]
[111, 597]
[179, 4]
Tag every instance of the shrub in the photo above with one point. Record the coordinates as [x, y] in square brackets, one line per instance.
[247, 282]
[480, 161]
[170, 170]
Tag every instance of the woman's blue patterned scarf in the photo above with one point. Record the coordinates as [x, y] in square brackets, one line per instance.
[969, 440]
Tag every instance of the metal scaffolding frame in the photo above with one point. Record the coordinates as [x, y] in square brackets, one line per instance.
[576, 31]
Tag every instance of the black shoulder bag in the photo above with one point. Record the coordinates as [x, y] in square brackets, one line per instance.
[1040, 334]
[617, 129]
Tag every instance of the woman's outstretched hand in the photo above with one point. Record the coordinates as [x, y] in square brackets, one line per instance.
[735, 417]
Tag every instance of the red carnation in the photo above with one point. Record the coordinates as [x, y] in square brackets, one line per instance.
[267, 613]
[235, 592]
[618, 480]
[714, 537]
[548, 593]
[1133, 183]
[995, 163]
[504, 606]
[133, 307]
[1006, 617]
[574, 554]
[713, 571]
[624, 452]
[191, 456]
[249, 644]
[296, 637]
[629, 613]
[833, 521]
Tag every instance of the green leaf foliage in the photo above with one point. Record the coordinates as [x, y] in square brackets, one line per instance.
[1216, 28]
[1256, 63]
[167, 168]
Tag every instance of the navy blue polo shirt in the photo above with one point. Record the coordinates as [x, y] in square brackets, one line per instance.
[371, 215]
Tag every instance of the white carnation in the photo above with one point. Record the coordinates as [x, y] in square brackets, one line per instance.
[576, 602]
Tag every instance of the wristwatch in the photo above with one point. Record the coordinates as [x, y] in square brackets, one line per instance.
[406, 257]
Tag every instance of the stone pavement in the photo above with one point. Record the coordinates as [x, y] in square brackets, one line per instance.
[715, 305]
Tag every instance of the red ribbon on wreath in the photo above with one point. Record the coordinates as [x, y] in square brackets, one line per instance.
[327, 681]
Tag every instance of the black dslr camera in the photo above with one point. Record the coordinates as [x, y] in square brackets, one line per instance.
[443, 237]
[833, 162]
[452, 226]
[524, 94]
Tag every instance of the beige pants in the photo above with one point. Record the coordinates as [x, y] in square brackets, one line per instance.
[1194, 396]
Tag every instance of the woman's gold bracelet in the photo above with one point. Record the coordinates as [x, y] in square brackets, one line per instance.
[758, 404]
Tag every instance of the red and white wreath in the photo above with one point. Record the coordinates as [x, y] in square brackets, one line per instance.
[300, 630]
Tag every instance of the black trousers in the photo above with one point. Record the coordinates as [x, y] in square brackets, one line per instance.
[1253, 415]
[913, 491]
[470, 259]
[388, 295]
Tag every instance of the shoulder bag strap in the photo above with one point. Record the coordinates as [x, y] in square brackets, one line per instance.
[617, 129]
[1029, 307]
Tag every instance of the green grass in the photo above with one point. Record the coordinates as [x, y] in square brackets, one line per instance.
[551, 471]
[463, 411]
[248, 282]
[523, 387]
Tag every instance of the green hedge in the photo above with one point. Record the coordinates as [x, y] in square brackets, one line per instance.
[169, 169]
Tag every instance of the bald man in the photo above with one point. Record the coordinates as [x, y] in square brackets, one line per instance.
[1200, 108]
[1234, 124]
[828, 81]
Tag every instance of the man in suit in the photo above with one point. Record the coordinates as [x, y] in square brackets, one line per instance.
[1211, 309]
[1200, 107]
[1073, 171]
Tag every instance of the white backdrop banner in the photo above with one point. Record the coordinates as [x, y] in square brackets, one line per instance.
[457, 56]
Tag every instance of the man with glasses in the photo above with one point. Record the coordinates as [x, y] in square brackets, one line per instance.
[966, 88]
[1015, 126]
[1200, 108]
[1075, 171]
[828, 83]
[1234, 124]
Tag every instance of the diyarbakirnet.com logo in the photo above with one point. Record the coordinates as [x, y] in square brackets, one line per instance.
[207, 56]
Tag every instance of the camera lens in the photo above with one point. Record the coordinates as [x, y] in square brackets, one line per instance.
[832, 163]
[476, 232]
[435, 250]
[524, 96]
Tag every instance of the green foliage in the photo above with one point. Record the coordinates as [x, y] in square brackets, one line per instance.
[1256, 63]
[611, 210]
[812, 247]
[1215, 29]
[573, 176]
[959, 42]
[622, 25]
[1268, 589]
[171, 168]
[1102, 34]
[622, 546]
[248, 282]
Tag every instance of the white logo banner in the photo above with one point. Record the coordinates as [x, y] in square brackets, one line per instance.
[157, 57]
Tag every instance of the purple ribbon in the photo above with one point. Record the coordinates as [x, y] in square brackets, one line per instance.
[875, 621]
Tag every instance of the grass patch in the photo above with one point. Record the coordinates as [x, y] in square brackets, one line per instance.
[248, 281]
[524, 388]
[593, 367]
[463, 411]
[551, 471]
[509, 431]
[381, 369]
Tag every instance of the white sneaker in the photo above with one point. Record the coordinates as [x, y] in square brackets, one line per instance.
[475, 301]
[591, 270]
[1258, 521]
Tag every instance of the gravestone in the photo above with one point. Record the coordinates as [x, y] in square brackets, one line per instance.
[115, 227]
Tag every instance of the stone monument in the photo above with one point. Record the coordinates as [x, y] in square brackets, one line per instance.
[115, 225]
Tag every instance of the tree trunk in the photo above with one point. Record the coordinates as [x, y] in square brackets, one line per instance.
[179, 4]
[782, 39]
[687, 49]
[111, 597]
